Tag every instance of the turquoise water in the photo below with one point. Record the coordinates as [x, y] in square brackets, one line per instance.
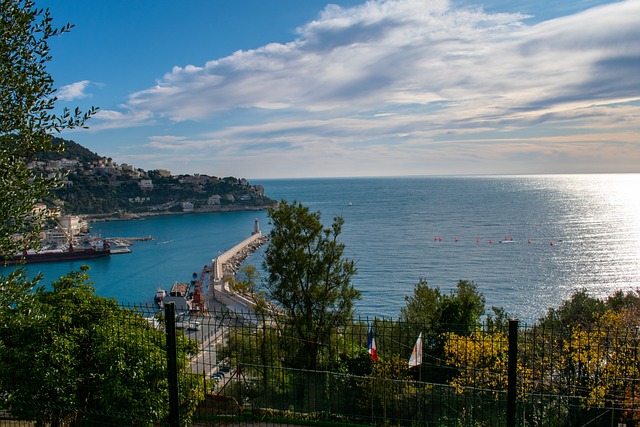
[569, 232]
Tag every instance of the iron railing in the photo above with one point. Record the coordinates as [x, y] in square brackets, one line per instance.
[253, 368]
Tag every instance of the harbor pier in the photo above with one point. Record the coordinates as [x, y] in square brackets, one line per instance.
[227, 264]
[220, 298]
[229, 261]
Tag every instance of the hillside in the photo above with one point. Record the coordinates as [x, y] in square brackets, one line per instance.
[71, 150]
[98, 185]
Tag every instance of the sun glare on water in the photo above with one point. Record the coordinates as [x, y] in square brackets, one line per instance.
[614, 205]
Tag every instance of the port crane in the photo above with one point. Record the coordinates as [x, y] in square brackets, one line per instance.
[197, 303]
[68, 235]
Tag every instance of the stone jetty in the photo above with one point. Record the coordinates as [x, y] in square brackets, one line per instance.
[228, 262]
[232, 265]
[226, 265]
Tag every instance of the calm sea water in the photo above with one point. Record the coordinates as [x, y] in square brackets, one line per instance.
[565, 233]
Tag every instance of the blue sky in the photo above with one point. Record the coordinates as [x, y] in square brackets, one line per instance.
[290, 88]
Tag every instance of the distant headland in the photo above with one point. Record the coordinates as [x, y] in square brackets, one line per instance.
[100, 189]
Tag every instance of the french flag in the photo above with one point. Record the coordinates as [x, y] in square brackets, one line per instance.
[371, 346]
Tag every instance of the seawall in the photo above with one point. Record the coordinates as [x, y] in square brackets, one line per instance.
[228, 262]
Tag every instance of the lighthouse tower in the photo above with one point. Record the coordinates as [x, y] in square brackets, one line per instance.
[256, 227]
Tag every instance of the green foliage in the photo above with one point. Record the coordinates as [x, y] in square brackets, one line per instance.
[67, 354]
[67, 149]
[432, 310]
[255, 352]
[250, 277]
[309, 279]
[390, 387]
[580, 309]
[620, 301]
[27, 99]
[435, 314]
[498, 320]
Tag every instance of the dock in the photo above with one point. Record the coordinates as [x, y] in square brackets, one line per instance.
[131, 239]
[214, 299]
[227, 264]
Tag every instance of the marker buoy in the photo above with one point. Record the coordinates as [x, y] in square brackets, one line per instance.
[490, 241]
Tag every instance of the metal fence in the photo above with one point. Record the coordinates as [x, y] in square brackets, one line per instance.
[252, 369]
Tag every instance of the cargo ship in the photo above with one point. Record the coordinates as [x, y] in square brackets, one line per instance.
[55, 255]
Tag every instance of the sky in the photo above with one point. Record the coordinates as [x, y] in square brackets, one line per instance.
[294, 89]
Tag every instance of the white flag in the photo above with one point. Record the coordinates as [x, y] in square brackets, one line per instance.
[416, 354]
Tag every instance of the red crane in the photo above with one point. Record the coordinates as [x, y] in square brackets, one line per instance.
[198, 297]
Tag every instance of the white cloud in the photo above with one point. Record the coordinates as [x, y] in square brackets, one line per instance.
[417, 51]
[174, 143]
[73, 91]
[402, 76]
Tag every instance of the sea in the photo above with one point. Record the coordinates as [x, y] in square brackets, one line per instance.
[528, 242]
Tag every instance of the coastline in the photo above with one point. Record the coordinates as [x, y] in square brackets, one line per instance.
[132, 216]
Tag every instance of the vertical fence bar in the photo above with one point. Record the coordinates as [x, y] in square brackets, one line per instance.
[512, 370]
[172, 364]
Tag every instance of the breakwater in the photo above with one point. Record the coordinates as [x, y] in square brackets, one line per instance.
[226, 265]
[228, 262]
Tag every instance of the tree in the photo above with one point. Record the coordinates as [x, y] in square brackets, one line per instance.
[431, 309]
[252, 348]
[580, 309]
[249, 284]
[66, 355]
[435, 314]
[69, 356]
[593, 345]
[27, 99]
[422, 307]
[308, 277]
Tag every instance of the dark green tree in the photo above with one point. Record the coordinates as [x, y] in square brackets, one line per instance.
[249, 276]
[580, 309]
[66, 354]
[27, 120]
[69, 357]
[309, 278]
[429, 308]
[424, 306]
[435, 314]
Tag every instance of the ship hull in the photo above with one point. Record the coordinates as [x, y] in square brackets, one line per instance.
[79, 254]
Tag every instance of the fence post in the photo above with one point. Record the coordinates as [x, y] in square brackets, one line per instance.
[512, 370]
[172, 364]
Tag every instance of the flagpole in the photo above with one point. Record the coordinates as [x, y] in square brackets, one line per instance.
[416, 360]
[420, 393]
